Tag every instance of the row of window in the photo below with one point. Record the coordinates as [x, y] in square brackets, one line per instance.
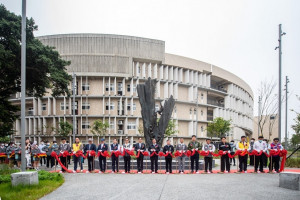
[130, 125]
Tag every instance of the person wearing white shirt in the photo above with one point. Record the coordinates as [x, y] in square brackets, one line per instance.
[259, 146]
[208, 148]
[127, 147]
[41, 146]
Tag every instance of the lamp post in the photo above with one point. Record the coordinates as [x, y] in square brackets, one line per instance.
[23, 84]
[73, 105]
[279, 82]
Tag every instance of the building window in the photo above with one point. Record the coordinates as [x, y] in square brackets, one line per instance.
[85, 125]
[133, 106]
[44, 106]
[85, 106]
[112, 87]
[64, 107]
[201, 112]
[85, 87]
[202, 95]
[30, 111]
[112, 125]
[111, 107]
[106, 87]
[202, 129]
[139, 70]
[131, 126]
[156, 107]
[128, 88]
[134, 87]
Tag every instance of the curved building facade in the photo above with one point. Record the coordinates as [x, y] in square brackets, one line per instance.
[109, 67]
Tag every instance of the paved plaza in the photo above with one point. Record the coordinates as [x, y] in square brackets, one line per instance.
[174, 186]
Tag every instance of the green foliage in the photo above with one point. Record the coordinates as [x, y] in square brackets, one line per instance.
[44, 175]
[29, 192]
[4, 139]
[296, 126]
[295, 140]
[99, 127]
[44, 67]
[293, 162]
[218, 127]
[171, 128]
[65, 128]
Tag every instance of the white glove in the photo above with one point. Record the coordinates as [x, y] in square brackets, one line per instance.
[207, 151]
[196, 149]
[275, 149]
[74, 152]
[264, 150]
[224, 152]
[167, 151]
[228, 151]
[138, 149]
[142, 150]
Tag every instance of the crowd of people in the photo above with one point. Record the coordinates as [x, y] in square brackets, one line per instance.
[42, 154]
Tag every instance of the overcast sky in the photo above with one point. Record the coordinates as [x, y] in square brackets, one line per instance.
[237, 35]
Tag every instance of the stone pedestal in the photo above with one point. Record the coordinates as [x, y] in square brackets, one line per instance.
[289, 180]
[24, 178]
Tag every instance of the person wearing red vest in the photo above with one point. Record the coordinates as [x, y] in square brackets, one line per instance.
[275, 158]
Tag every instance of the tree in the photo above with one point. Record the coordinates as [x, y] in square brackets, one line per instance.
[99, 127]
[218, 127]
[45, 69]
[269, 106]
[65, 128]
[171, 128]
[296, 127]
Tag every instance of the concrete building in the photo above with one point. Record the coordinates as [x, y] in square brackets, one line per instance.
[270, 127]
[109, 67]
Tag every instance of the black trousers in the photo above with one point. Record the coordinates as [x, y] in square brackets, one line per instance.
[259, 160]
[41, 160]
[195, 159]
[243, 162]
[63, 160]
[50, 161]
[69, 160]
[225, 163]
[102, 163]
[252, 160]
[140, 161]
[154, 162]
[115, 163]
[275, 163]
[265, 159]
[232, 159]
[168, 164]
[90, 163]
[208, 161]
[127, 163]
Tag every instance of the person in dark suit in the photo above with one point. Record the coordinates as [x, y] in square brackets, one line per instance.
[225, 147]
[168, 149]
[62, 148]
[114, 159]
[140, 147]
[102, 159]
[87, 150]
[154, 159]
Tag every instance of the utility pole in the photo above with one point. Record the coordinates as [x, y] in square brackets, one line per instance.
[73, 106]
[197, 112]
[286, 109]
[279, 82]
[23, 85]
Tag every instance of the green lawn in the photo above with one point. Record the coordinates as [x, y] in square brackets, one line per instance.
[47, 183]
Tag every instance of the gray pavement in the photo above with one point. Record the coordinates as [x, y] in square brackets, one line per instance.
[173, 186]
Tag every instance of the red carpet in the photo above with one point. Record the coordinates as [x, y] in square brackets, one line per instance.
[176, 172]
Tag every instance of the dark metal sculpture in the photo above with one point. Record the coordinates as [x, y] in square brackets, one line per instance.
[152, 127]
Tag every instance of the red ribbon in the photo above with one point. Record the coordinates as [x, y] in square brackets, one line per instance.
[53, 154]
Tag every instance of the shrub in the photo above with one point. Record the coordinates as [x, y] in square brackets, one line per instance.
[293, 162]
